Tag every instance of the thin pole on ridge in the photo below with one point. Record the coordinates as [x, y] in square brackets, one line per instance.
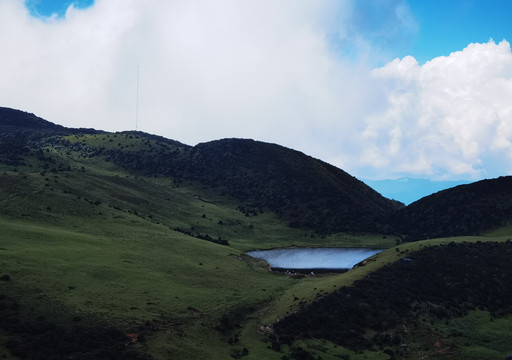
[137, 104]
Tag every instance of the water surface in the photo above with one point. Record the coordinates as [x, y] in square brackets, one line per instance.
[314, 258]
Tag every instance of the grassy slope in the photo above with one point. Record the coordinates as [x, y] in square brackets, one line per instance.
[99, 243]
[132, 276]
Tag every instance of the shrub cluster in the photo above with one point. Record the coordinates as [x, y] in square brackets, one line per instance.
[206, 237]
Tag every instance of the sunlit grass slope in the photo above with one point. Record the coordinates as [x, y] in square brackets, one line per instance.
[126, 276]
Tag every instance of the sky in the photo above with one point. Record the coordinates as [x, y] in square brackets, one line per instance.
[383, 89]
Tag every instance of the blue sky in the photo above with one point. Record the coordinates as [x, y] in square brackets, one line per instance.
[384, 89]
[438, 27]
[447, 26]
[48, 8]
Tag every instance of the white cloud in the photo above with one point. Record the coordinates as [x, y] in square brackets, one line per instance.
[454, 111]
[259, 69]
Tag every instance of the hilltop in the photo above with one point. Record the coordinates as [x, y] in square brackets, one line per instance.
[305, 192]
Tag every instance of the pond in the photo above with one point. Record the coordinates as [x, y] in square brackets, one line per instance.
[336, 259]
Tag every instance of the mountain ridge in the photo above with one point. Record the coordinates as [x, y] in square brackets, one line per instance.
[303, 191]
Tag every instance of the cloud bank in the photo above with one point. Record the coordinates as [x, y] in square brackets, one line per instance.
[295, 72]
[451, 117]
[207, 69]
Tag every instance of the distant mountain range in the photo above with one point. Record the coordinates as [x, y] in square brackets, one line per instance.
[409, 190]
[305, 192]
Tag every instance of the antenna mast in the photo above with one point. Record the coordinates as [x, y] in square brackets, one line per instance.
[137, 107]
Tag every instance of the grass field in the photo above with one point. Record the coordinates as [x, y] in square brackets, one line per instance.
[90, 243]
[127, 274]
[131, 277]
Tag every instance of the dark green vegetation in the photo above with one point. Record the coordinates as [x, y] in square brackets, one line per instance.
[463, 210]
[129, 245]
[391, 307]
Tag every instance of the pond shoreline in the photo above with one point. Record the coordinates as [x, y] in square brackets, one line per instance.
[313, 271]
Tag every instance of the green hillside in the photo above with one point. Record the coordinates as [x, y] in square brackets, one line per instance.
[427, 304]
[131, 246]
[88, 244]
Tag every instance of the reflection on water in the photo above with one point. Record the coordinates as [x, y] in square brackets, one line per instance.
[314, 258]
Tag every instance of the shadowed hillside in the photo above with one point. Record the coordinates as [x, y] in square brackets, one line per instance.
[19, 121]
[307, 192]
[463, 210]
[391, 308]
